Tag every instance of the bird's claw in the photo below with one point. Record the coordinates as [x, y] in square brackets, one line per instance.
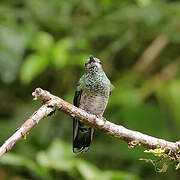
[102, 120]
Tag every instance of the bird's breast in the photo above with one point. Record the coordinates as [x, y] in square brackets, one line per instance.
[95, 93]
[93, 103]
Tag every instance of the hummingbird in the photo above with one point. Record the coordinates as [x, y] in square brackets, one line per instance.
[92, 95]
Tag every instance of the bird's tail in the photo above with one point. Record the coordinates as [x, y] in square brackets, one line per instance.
[82, 137]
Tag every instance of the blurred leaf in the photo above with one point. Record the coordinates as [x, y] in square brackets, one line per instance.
[61, 52]
[58, 156]
[43, 42]
[118, 175]
[89, 171]
[9, 67]
[32, 67]
[13, 42]
[143, 2]
[19, 160]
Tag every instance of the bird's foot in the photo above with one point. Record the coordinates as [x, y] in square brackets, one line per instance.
[101, 120]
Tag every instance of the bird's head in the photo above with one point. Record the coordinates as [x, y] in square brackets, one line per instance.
[93, 64]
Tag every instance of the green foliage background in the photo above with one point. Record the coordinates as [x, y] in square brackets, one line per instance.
[44, 43]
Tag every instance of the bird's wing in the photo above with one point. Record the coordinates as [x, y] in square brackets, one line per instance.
[76, 102]
[77, 97]
[82, 136]
[78, 92]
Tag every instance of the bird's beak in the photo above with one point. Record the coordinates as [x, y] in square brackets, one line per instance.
[91, 58]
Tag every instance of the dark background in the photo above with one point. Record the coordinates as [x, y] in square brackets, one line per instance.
[44, 43]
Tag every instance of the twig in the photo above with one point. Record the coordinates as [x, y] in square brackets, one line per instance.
[151, 53]
[52, 103]
[159, 79]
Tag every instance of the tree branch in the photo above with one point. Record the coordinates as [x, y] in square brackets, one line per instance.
[151, 53]
[52, 103]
